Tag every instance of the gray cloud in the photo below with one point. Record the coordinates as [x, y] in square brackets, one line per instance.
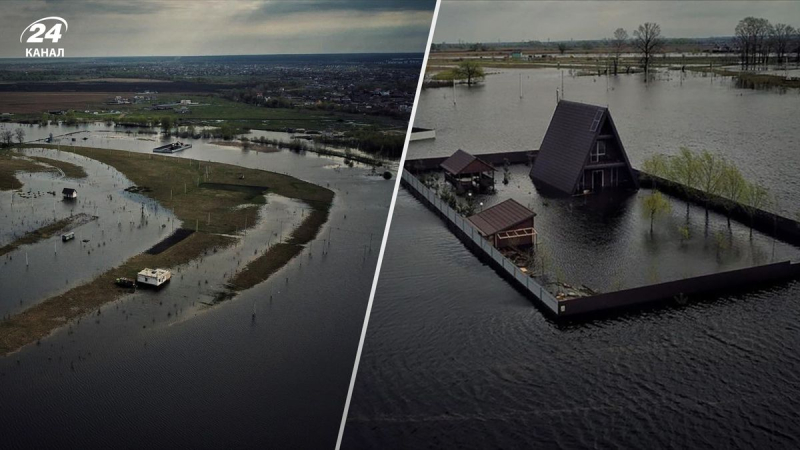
[492, 21]
[215, 27]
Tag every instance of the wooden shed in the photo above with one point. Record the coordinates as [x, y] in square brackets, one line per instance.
[69, 193]
[582, 152]
[506, 224]
[467, 172]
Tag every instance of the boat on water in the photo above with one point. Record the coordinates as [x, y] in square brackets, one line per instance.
[172, 148]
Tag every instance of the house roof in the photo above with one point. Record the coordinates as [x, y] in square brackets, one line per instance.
[68, 191]
[462, 162]
[501, 216]
[567, 143]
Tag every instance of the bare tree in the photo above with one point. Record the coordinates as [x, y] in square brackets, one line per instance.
[619, 43]
[752, 37]
[20, 134]
[647, 40]
[782, 36]
[6, 137]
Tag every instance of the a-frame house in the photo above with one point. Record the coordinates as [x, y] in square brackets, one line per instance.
[582, 152]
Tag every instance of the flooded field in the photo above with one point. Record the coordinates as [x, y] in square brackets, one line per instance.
[456, 357]
[199, 375]
[753, 128]
[611, 231]
[126, 225]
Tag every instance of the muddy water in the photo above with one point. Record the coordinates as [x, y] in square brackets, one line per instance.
[159, 374]
[126, 225]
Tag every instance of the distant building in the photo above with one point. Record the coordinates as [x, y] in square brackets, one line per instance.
[69, 193]
[581, 151]
[186, 102]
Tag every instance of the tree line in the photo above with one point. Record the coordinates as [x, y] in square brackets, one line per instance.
[713, 175]
[757, 40]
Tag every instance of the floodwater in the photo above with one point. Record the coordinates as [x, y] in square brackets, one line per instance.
[456, 357]
[611, 231]
[162, 369]
[756, 129]
[126, 225]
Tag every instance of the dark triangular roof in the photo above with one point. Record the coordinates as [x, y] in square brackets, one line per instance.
[68, 191]
[568, 142]
[462, 162]
[500, 216]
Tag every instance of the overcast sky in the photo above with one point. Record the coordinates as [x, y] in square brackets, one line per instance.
[208, 27]
[492, 21]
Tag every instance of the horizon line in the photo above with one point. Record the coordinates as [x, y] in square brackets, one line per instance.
[212, 55]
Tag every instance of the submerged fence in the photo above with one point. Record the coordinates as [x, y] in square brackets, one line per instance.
[481, 245]
[678, 289]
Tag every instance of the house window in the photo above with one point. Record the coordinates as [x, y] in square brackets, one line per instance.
[599, 151]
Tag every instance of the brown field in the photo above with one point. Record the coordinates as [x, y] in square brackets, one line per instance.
[38, 102]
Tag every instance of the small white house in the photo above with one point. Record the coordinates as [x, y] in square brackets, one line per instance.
[69, 193]
[186, 102]
[153, 277]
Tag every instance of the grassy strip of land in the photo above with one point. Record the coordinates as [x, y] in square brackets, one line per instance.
[753, 79]
[247, 146]
[177, 184]
[273, 259]
[40, 320]
[11, 163]
[70, 170]
[35, 236]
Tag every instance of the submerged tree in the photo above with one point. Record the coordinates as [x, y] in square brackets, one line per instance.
[684, 169]
[710, 170]
[20, 134]
[6, 137]
[619, 43]
[166, 124]
[470, 71]
[733, 188]
[647, 41]
[655, 205]
[756, 197]
[657, 165]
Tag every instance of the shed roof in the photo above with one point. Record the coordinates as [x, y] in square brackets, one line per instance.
[567, 142]
[462, 162]
[500, 217]
[68, 191]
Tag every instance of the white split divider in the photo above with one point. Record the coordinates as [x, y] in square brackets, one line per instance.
[530, 284]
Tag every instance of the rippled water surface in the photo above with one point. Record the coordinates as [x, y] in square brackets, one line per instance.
[455, 357]
[754, 128]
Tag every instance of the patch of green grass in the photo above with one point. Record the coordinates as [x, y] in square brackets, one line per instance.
[37, 235]
[12, 162]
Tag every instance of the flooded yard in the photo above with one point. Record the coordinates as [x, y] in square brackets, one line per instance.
[604, 241]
